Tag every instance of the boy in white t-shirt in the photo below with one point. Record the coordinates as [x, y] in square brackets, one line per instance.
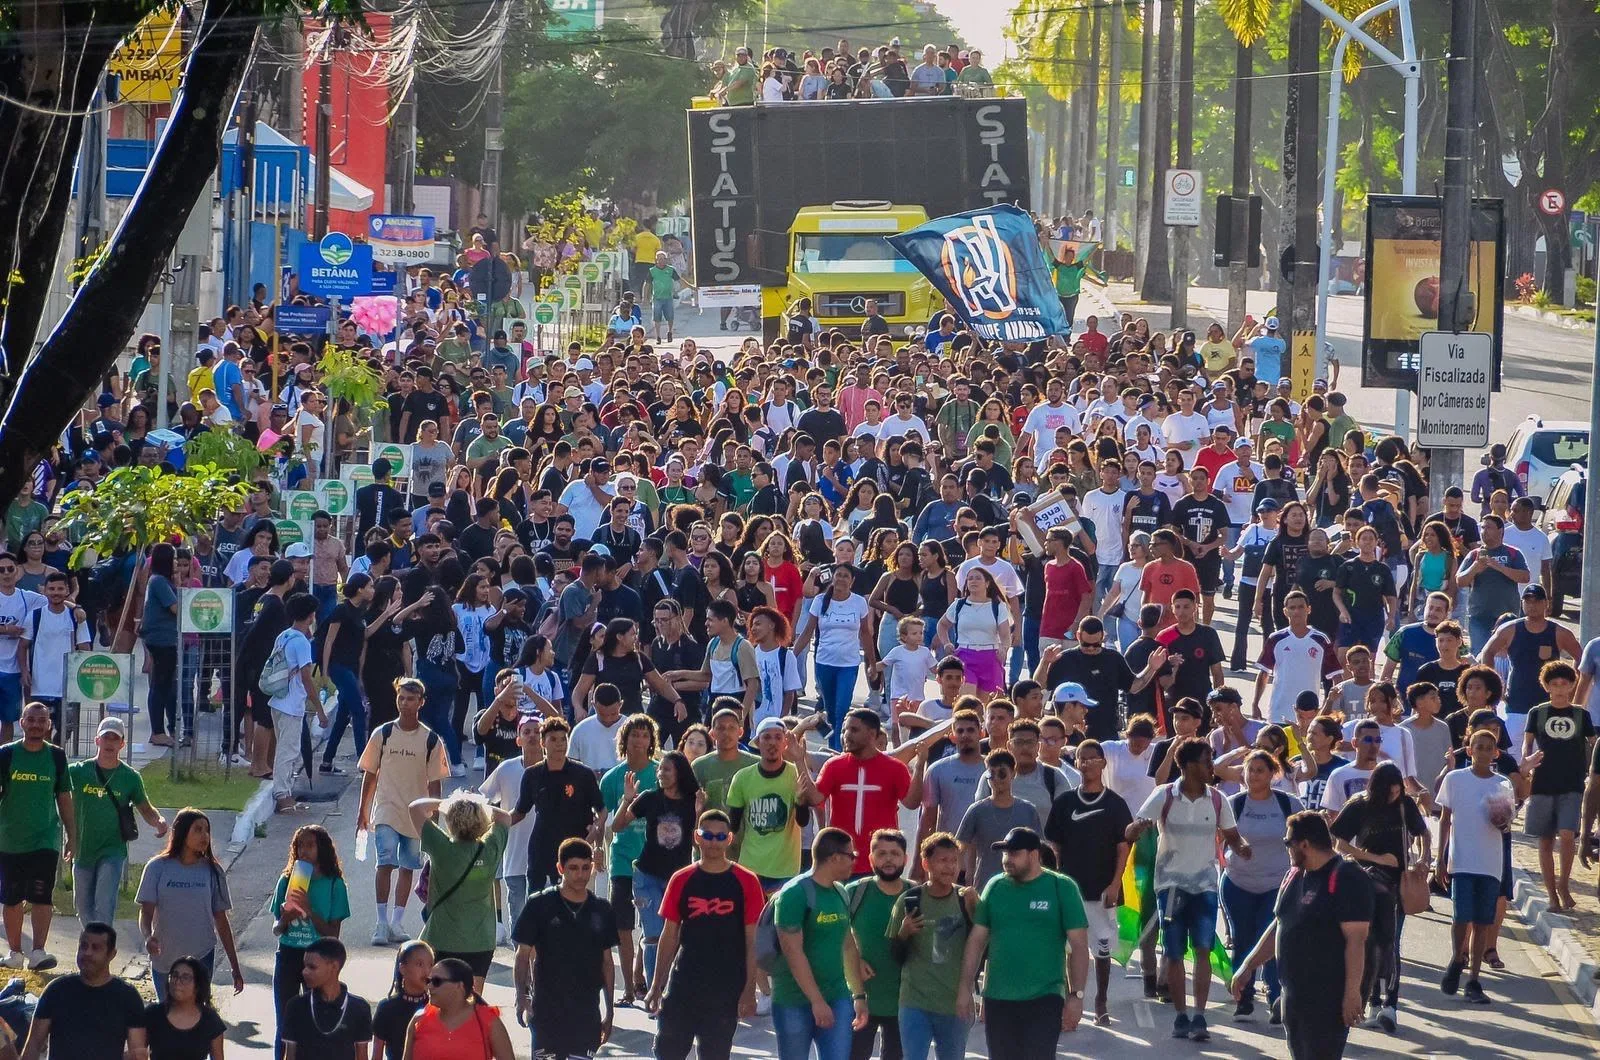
[908, 664]
[950, 674]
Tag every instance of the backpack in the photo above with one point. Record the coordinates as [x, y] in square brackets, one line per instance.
[955, 624]
[549, 622]
[1216, 801]
[276, 673]
[57, 755]
[387, 729]
[1285, 807]
[768, 953]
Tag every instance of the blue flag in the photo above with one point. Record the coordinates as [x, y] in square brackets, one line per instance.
[989, 265]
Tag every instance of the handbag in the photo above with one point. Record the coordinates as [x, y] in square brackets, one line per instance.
[127, 825]
[425, 880]
[1415, 895]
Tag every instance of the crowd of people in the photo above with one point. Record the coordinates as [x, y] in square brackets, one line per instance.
[776, 645]
[844, 72]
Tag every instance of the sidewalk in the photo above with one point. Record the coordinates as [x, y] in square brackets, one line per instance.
[1571, 939]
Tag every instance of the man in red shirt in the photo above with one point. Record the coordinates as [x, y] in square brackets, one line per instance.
[1219, 454]
[1067, 592]
[864, 787]
[1093, 339]
[1165, 574]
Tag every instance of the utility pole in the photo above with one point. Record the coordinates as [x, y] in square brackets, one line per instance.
[493, 138]
[244, 198]
[1455, 295]
[319, 226]
[1239, 213]
[1108, 218]
[1156, 283]
[1182, 235]
[1303, 306]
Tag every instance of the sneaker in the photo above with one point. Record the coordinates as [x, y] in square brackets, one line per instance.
[328, 769]
[763, 1005]
[1275, 1012]
[1473, 993]
[458, 770]
[15, 959]
[1371, 1018]
[1198, 1032]
[1388, 1020]
[1452, 977]
[1180, 1025]
[1244, 1009]
[380, 934]
[39, 960]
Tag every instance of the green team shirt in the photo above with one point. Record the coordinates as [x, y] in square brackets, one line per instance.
[1069, 278]
[661, 281]
[1028, 925]
[871, 926]
[99, 834]
[715, 777]
[825, 928]
[741, 84]
[769, 835]
[931, 975]
[464, 923]
[29, 819]
[628, 843]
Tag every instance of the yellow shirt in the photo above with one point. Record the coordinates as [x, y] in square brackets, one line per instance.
[592, 230]
[200, 378]
[1216, 355]
[645, 246]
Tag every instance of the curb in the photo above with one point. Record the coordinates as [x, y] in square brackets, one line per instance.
[260, 807]
[1554, 319]
[1560, 940]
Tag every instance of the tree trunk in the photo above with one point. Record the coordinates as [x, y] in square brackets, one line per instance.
[1291, 116]
[1052, 117]
[106, 308]
[1108, 221]
[1303, 306]
[1238, 236]
[1072, 197]
[1157, 285]
[1091, 115]
[1183, 237]
[1147, 135]
[1063, 155]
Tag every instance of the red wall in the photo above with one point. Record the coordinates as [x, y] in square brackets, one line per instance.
[358, 140]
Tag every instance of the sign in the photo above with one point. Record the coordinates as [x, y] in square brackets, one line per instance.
[400, 237]
[570, 281]
[737, 296]
[544, 311]
[337, 267]
[1453, 385]
[1043, 515]
[609, 260]
[148, 62]
[337, 496]
[1302, 363]
[356, 476]
[1184, 190]
[399, 457]
[99, 677]
[292, 531]
[571, 18]
[384, 281]
[591, 272]
[206, 611]
[989, 265]
[560, 297]
[1552, 203]
[301, 504]
[1401, 298]
[1129, 177]
[301, 319]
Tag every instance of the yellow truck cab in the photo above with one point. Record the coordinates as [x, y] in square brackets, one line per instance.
[839, 259]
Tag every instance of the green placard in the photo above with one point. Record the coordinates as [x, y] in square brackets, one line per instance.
[100, 677]
[571, 281]
[562, 298]
[356, 476]
[301, 504]
[206, 611]
[293, 531]
[570, 18]
[399, 457]
[337, 496]
[591, 272]
[544, 311]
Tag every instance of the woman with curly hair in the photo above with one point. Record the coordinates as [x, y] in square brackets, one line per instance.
[859, 503]
[317, 908]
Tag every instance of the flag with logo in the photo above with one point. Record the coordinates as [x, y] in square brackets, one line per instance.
[1136, 915]
[989, 265]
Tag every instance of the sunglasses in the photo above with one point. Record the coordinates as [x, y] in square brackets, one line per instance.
[437, 981]
[714, 837]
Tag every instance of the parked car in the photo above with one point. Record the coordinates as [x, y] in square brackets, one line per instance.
[1540, 451]
[1563, 521]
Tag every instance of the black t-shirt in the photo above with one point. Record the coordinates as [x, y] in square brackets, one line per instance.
[1563, 735]
[1378, 830]
[709, 969]
[822, 424]
[423, 406]
[572, 943]
[1137, 657]
[89, 1022]
[1464, 528]
[350, 637]
[626, 672]
[477, 541]
[1201, 522]
[623, 544]
[1458, 722]
[1305, 576]
[324, 1031]
[1104, 675]
[622, 602]
[1199, 650]
[689, 589]
[270, 619]
[1148, 513]
[668, 825]
[505, 643]
[1364, 586]
[169, 1043]
[1284, 557]
[1086, 830]
[534, 534]
[566, 800]
[685, 653]
[372, 501]
[500, 742]
[1312, 908]
[1446, 680]
[389, 1023]
[1319, 784]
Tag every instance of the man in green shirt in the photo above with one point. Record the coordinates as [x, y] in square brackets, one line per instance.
[927, 932]
[956, 417]
[457, 349]
[639, 745]
[99, 785]
[974, 73]
[1026, 917]
[811, 1002]
[716, 771]
[872, 901]
[1068, 273]
[35, 805]
[739, 88]
[489, 444]
[23, 517]
[766, 806]
[663, 284]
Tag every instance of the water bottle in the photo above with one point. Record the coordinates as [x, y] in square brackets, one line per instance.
[361, 844]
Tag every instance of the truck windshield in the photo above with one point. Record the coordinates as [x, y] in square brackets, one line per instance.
[846, 252]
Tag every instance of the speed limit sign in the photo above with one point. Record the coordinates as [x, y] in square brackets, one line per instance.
[1552, 203]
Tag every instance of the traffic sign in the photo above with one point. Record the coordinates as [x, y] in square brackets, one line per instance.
[1184, 190]
[301, 319]
[1454, 376]
[1552, 203]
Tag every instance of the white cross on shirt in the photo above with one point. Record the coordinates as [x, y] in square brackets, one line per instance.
[860, 787]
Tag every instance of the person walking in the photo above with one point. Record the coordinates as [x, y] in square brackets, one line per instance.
[1476, 806]
[811, 996]
[431, 624]
[35, 808]
[502, 787]
[928, 929]
[106, 793]
[184, 901]
[1250, 885]
[1025, 919]
[1318, 935]
[328, 1021]
[667, 815]
[840, 626]
[343, 643]
[186, 1025]
[1564, 735]
[464, 856]
[413, 966]
[403, 761]
[298, 693]
[90, 1014]
[158, 628]
[865, 788]
[309, 903]
[564, 795]
[872, 970]
[456, 1023]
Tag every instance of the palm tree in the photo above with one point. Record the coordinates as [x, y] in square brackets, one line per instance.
[1247, 20]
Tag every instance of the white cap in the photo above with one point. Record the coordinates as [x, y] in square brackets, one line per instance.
[1272, 323]
[298, 550]
[585, 365]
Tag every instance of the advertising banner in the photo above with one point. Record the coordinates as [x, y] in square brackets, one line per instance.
[400, 237]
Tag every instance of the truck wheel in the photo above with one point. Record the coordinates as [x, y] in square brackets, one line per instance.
[769, 329]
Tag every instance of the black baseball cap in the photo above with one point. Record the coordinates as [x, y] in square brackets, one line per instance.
[1018, 839]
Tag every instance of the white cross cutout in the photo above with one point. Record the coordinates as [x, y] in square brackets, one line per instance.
[860, 787]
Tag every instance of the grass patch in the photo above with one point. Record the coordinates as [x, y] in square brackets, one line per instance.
[127, 908]
[205, 792]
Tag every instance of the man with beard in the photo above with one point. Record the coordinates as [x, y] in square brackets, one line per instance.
[877, 994]
[864, 787]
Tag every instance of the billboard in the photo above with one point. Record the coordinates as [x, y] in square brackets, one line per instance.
[751, 169]
[1402, 296]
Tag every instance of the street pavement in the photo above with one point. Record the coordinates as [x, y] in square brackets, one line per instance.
[1534, 1013]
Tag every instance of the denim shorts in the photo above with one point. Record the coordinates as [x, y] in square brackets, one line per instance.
[1548, 814]
[648, 891]
[396, 850]
[1187, 919]
[1474, 896]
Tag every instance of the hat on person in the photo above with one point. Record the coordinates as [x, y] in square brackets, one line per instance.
[1220, 384]
[1181, 707]
[600, 550]
[1072, 692]
[513, 593]
[1534, 592]
[1243, 443]
[571, 392]
[106, 401]
[500, 333]
[437, 489]
[298, 550]
[1319, 384]
[585, 365]
[1018, 839]
[769, 724]
[601, 466]
[112, 725]
[1272, 323]
[1268, 504]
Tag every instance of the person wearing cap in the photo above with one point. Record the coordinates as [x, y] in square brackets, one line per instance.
[1494, 573]
[769, 803]
[1025, 921]
[1529, 644]
[588, 499]
[100, 855]
[1269, 349]
[438, 495]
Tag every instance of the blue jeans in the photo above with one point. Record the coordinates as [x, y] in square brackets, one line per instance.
[1480, 631]
[163, 697]
[351, 710]
[160, 978]
[94, 889]
[797, 1031]
[1030, 646]
[1249, 915]
[327, 598]
[921, 1029]
[837, 687]
[1104, 581]
[438, 707]
[648, 891]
